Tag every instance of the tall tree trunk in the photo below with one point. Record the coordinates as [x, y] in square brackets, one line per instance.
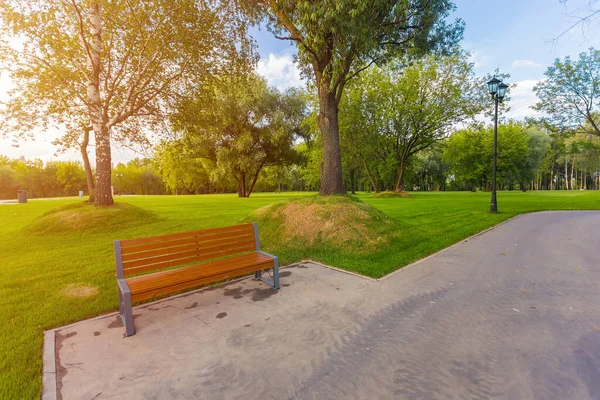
[331, 171]
[566, 174]
[573, 182]
[352, 171]
[399, 187]
[103, 193]
[89, 177]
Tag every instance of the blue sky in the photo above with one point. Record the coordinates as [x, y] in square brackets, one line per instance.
[513, 35]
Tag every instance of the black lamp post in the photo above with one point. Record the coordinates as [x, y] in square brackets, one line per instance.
[498, 90]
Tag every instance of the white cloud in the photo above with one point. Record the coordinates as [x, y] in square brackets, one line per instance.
[524, 64]
[522, 98]
[280, 71]
[479, 59]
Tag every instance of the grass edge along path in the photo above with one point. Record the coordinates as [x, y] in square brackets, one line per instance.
[43, 272]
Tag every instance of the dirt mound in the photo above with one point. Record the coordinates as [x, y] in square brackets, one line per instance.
[84, 217]
[340, 221]
[387, 195]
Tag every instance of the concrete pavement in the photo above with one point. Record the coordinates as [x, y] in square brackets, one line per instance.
[510, 314]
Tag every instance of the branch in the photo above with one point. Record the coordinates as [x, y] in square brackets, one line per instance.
[288, 38]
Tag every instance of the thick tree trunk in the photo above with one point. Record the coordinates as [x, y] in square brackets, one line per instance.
[89, 177]
[242, 185]
[331, 170]
[103, 193]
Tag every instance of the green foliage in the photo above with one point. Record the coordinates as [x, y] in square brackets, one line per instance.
[521, 150]
[138, 176]
[52, 179]
[390, 114]
[570, 94]
[71, 176]
[337, 40]
[240, 125]
[114, 68]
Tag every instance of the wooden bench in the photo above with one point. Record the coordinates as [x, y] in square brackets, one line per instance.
[159, 265]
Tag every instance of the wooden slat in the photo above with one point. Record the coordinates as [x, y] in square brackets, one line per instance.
[164, 278]
[198, 282]
[182, 261]
[193, 255]
[169, 281]
[188, 240]
[186, 248]
[126, 244]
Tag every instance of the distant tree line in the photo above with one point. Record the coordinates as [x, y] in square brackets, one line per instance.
[392, 102]
[67, 178]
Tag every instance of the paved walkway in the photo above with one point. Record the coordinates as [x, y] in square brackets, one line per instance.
[511, 314]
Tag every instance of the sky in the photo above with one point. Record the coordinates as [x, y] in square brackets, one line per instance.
[516, 36]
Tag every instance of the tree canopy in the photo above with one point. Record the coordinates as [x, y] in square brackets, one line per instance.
[240, 125]
[337, 39]
[111, 68]
[570, 94]
[392, 113]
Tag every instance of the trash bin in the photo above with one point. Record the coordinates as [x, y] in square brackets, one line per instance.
[22, 196]
[81, 193]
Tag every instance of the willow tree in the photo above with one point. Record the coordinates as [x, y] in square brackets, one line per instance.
[337, 39]
[239, 126]
[111, 68]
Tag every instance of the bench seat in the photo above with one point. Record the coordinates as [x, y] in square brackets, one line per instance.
[159, 283]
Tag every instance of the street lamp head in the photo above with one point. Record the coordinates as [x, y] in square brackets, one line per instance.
[493, 85]
[502, 90]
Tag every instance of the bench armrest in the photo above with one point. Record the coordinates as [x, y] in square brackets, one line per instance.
[267, 254]
[123, 287]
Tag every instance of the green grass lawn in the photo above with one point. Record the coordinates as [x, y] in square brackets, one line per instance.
[37, 264]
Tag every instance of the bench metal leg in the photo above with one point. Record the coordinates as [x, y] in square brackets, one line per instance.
[125, 309]
[276, 274]
[275, 281]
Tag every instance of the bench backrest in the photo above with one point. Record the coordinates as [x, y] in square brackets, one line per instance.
[136, 256]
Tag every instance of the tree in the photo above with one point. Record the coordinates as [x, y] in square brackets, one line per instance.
[241, 125]
[111, 68]
[71, 176]
[398, 114]
[337, 39]
[180, 169]
[521, 152]
[571, 92]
